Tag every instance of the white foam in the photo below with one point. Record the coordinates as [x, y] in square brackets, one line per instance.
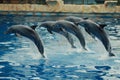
[14, 64]
[5, 43]
[1, 66]
[8, 78]
[80, 71]
[118, 61]
[110, 78]
[36, 78]
[73, 76]
[103, 57]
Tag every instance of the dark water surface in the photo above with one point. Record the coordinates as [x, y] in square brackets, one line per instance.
[20, 60]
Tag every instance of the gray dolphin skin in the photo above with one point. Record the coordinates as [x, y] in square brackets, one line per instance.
[72, 28]
[76, 20]
[73, 19]
[98, 31]
[28, 32]
[50, 28]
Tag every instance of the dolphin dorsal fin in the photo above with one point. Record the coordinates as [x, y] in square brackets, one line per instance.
[18, 35]
[102, 25]
[33, 26]
[85, 18]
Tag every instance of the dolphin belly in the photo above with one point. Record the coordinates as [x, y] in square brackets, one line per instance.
[82, 40]
[37, 41]
[40, 46]
[102, 36]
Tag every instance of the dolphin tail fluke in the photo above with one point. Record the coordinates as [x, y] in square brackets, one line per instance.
[111, 54]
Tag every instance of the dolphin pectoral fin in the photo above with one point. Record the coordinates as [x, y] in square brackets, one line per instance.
[49, 31]
[18, 35]
[93, 36]
[85, 18]
[87, 31]
[61, 29]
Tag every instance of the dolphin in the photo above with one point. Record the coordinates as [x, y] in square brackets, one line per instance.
[76, 20]
[64, 25]
[50, 28]
[28, 32]
[98, 31]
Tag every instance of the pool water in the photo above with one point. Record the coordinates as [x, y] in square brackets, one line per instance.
[20, 59]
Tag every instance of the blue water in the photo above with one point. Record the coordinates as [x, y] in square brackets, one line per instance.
[20, 59]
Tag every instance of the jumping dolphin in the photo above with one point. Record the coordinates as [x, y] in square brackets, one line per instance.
[28, 32]
[98, 31]
[76, 20]
[50, 28]
[72, 28]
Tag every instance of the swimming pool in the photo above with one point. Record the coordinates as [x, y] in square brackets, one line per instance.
[20, 60]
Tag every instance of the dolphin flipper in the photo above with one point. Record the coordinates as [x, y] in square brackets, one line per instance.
[49, 31]
[18, 35]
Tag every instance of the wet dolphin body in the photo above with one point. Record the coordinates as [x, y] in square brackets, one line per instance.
[28, 32]
[75, 20]
[72, 28]
[93, 29]
[51, 29]
[98, 31]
